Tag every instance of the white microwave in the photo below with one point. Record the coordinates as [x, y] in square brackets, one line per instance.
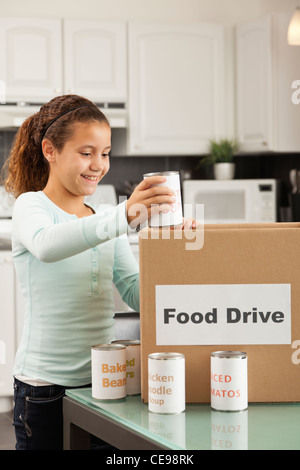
[233, 201]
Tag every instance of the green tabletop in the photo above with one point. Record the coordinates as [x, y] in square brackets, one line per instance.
[263, 426]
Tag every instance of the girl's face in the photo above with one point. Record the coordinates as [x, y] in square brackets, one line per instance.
[84, 159]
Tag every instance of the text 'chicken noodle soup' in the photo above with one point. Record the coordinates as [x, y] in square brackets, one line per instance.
[166, 383]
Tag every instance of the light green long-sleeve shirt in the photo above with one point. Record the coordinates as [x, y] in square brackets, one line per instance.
[66, 266]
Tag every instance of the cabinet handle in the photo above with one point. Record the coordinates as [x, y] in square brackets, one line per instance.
[265, 144]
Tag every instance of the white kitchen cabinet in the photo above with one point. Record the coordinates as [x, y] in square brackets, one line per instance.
[287, 70]
[30, 59]
[7, 328]
[95, 60]
[177, 88]
[254, 85]
[266, 68]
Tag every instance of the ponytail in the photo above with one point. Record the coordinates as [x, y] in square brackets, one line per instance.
[26, 168]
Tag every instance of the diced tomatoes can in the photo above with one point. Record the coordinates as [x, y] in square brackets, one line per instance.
[229, 381]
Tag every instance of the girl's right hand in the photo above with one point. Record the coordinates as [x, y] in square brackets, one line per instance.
[148, 198]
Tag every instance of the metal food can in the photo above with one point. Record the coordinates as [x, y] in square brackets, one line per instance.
[229, 381]
[166, 383]
[133, 365]
[108, 371]
[172, 217]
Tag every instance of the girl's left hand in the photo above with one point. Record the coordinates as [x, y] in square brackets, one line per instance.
[188, 224]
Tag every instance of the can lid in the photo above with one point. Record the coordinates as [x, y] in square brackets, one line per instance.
[161, 173]
[128, 342]
[229, 354]
[166, 356]
[108, 347]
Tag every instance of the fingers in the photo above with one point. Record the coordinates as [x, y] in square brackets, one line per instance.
[151, 195]
[158, 208]
[157, 191]
[150, 181]
[188, 224]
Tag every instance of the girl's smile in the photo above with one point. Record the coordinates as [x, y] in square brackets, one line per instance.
[77, 168]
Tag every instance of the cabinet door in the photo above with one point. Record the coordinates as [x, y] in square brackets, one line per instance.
[176, 89]
[254, 85]
[95, 60]
[30, 59]
[287, 111]
[7, 323]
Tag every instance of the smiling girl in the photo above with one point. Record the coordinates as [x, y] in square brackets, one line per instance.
[67, 255]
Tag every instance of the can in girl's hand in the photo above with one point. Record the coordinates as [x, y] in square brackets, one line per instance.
[229, 381]
[173, 216]
[108, 371]
[133, 365]
[166, 383]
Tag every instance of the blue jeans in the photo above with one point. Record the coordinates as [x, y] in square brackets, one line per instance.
[38, 418]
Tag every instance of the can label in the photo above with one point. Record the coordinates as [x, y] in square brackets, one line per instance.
[229, 383]
[173, 216]
[108, 372]
[133, 365]
[166, 384]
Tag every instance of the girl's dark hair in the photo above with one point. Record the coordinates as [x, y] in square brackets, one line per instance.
[26, 168]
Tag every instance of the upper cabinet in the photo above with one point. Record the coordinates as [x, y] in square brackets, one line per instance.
[183, 84]
[254, 85]
[95, 56]
[287, 70]
[266, 117]
[177, 88]
[37, 62]
[30, 59]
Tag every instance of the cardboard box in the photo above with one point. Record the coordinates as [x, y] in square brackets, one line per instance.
[243, 286]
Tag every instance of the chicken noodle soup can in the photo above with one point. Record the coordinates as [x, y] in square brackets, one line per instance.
[229, 381]
[173, 216]
[166, 383]
[133, 365]
[108, 371]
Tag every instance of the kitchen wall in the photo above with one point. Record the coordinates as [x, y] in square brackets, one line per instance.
[126, 171]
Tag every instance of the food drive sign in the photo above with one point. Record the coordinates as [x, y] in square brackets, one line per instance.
[223, 314]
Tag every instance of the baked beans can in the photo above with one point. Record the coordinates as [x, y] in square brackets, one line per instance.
[166, 383]
[108, 371]
[229, 381]
[173, 216]
[133, 365]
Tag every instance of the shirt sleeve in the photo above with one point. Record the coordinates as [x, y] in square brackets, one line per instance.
[35, 230]
[126, 273]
